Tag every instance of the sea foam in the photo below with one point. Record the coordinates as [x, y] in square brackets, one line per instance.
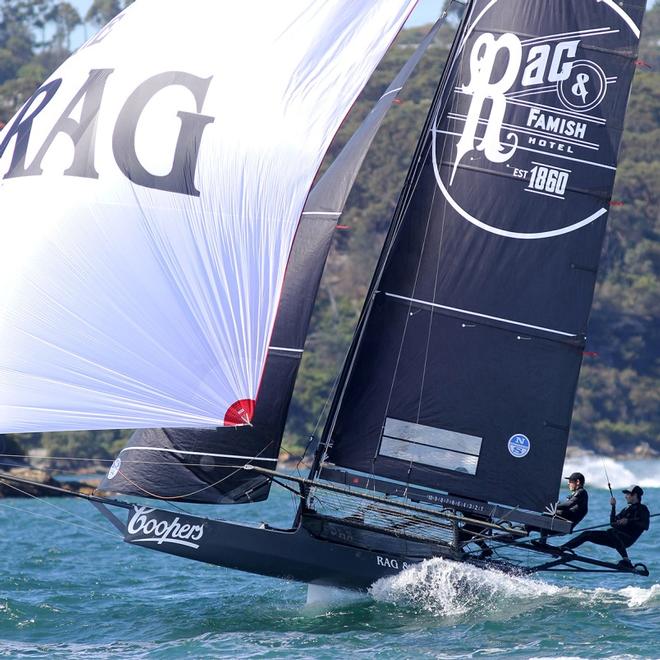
[447, 588]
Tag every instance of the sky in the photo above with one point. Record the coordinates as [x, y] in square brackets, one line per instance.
[427, 11]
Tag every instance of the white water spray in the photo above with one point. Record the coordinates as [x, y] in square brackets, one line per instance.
[319, 596]
[453, 590]
[632, 597]
[448, 589]
[644, 472]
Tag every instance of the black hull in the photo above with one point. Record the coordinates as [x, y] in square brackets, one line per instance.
[320, 552]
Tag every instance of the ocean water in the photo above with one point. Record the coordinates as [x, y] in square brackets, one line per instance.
[72, 589]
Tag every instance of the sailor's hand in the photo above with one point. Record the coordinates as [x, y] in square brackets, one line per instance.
[613, 501]
[551, 509]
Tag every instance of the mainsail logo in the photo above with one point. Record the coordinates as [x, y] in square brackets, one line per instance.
[519, 445]
[149, 528]
[544, 65]
[528, 113]
[584, 88]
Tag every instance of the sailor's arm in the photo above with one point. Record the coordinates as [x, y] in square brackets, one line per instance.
[563, 507]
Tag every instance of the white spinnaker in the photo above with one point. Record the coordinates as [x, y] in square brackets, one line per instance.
[125, 306]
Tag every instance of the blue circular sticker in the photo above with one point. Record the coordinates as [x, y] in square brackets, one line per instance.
[519, 445]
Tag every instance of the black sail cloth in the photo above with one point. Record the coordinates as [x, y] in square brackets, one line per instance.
[463, 372]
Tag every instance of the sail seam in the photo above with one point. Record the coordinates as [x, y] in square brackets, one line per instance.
[483, 316]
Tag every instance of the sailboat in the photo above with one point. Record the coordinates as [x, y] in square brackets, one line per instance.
[166, 246]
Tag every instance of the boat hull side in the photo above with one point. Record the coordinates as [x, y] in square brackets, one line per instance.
[293, 554]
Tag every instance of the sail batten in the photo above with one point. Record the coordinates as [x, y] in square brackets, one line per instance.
[511, 322]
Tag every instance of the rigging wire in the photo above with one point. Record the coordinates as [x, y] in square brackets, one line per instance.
[588, 529]
[405, 201]
[172, 498]
[89, 526]
[321, 415]
[349, 361]
[607, 476]
[431, 314]
[162, 462]
[124, 462]
[57, 458]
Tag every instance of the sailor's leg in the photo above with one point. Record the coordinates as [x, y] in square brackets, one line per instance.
[485, 550]
[473, 533]
[598, 537]
[609, 538]
[619, 543]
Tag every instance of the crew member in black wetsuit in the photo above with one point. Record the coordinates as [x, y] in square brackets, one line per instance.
[627, 527]
[574, 507]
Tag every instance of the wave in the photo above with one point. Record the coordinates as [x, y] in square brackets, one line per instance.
[446, 588]
[449, 589]
[632, 597]
[622, 473]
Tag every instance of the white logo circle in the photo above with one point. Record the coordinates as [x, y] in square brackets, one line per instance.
[114, 468]
[519, 445]
[585, 87]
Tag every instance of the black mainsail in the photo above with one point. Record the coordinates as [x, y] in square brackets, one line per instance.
[463, 370]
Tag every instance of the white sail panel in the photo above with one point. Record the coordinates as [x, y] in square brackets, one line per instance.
[149, 196]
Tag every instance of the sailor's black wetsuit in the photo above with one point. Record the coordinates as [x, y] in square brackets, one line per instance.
[622, 534]
[575, 507]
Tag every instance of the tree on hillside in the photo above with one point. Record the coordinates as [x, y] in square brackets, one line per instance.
[103, 11]
[16, 41]
[66, 19]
